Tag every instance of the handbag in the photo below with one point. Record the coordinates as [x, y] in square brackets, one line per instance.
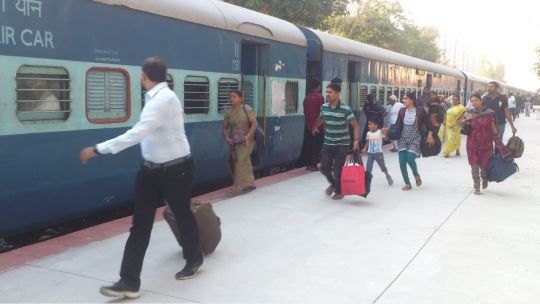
[430, 150]
[259, 133]
[499, 169]
[466, 128]
[395, 130]
[354, 178]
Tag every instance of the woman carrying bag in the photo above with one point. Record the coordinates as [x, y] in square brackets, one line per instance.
[238, 128]
[413, 127]
[481, 130]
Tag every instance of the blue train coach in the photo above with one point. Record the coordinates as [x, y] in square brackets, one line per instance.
[70, 77]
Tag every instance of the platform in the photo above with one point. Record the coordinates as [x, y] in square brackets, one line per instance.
[287, 242]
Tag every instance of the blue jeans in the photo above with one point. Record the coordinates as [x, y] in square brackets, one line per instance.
[379, 158]
[332, 161]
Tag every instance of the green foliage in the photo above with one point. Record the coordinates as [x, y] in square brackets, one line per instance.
[384, 24]
[310, 13]
[380, 23]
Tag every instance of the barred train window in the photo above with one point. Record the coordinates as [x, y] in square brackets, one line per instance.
[196, 95]
[43, 94]
[382, 97]
[225, 87]
[291, 97]
[363, 95]
[107, 95]
[248, 91]
[170, 82]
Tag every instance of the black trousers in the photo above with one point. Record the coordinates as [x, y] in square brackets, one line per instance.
[332, 161]
[313, 145]
[172, 184]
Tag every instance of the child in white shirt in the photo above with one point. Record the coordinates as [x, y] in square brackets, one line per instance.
[374, 149]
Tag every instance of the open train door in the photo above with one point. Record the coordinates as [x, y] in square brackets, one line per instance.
[254, 89]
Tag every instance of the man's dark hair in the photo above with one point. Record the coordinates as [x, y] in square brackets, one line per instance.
[336, 80]
[155, 68]
[334, 87]
[496, 84]
[315, 83]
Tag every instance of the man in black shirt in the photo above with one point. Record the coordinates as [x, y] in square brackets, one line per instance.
[499, 104]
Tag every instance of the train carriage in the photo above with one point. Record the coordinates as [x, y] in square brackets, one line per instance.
[71, 77]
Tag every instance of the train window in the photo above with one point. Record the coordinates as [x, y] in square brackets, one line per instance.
[408, 90]
[388, 93]
[382, 97]
[43, 94]
[249, 92]
[170, 82]
[373, 91]
[196, 95]
[291, 97]
[225, 86]
[396, 92]
[107, 95]
[414, 93]
[363, 95]
[401, 93]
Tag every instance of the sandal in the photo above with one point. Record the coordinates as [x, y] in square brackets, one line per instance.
[418, 181]
[407, 187]
[484, 183]
[477, 191]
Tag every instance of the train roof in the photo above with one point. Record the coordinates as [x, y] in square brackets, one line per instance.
[479, 78]
[343, 45]
[221, 15]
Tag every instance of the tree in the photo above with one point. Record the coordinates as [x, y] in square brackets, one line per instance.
[384, 24]
[536, 66]
[310, 13]
[494, 71]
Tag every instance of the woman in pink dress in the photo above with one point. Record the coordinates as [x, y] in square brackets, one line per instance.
[483, 130]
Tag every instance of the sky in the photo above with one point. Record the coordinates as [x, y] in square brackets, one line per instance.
[507, 31]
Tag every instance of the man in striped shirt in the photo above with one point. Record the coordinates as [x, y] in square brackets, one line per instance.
[336, 116]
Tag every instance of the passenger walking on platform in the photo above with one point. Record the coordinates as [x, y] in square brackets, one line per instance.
[393, 111]
[480, 141]
[373, 111]
[499, 104]
[165, 174]
[416, 127]
[336, 116]
[313, 142]
[436, 112]
[452, 128]
[512, 101]
[239, 125]
[374, 149]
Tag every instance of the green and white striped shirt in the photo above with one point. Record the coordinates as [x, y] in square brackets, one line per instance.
[337, 124]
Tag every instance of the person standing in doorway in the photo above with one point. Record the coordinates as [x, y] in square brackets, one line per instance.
[424, 100]
[499, 104]
[165, 174]
[336, 116]
[393, 111]
[313, 142]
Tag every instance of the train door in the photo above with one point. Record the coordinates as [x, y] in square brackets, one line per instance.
[429, 80]
[254, 89]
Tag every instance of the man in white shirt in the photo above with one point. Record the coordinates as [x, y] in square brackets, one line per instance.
[512, 105]
[393, 111]
[165, 174]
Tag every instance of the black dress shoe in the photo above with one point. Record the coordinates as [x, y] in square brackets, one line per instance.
[191, 269]
[120, 290]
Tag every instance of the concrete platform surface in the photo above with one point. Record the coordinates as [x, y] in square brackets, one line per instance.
[287, 242]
